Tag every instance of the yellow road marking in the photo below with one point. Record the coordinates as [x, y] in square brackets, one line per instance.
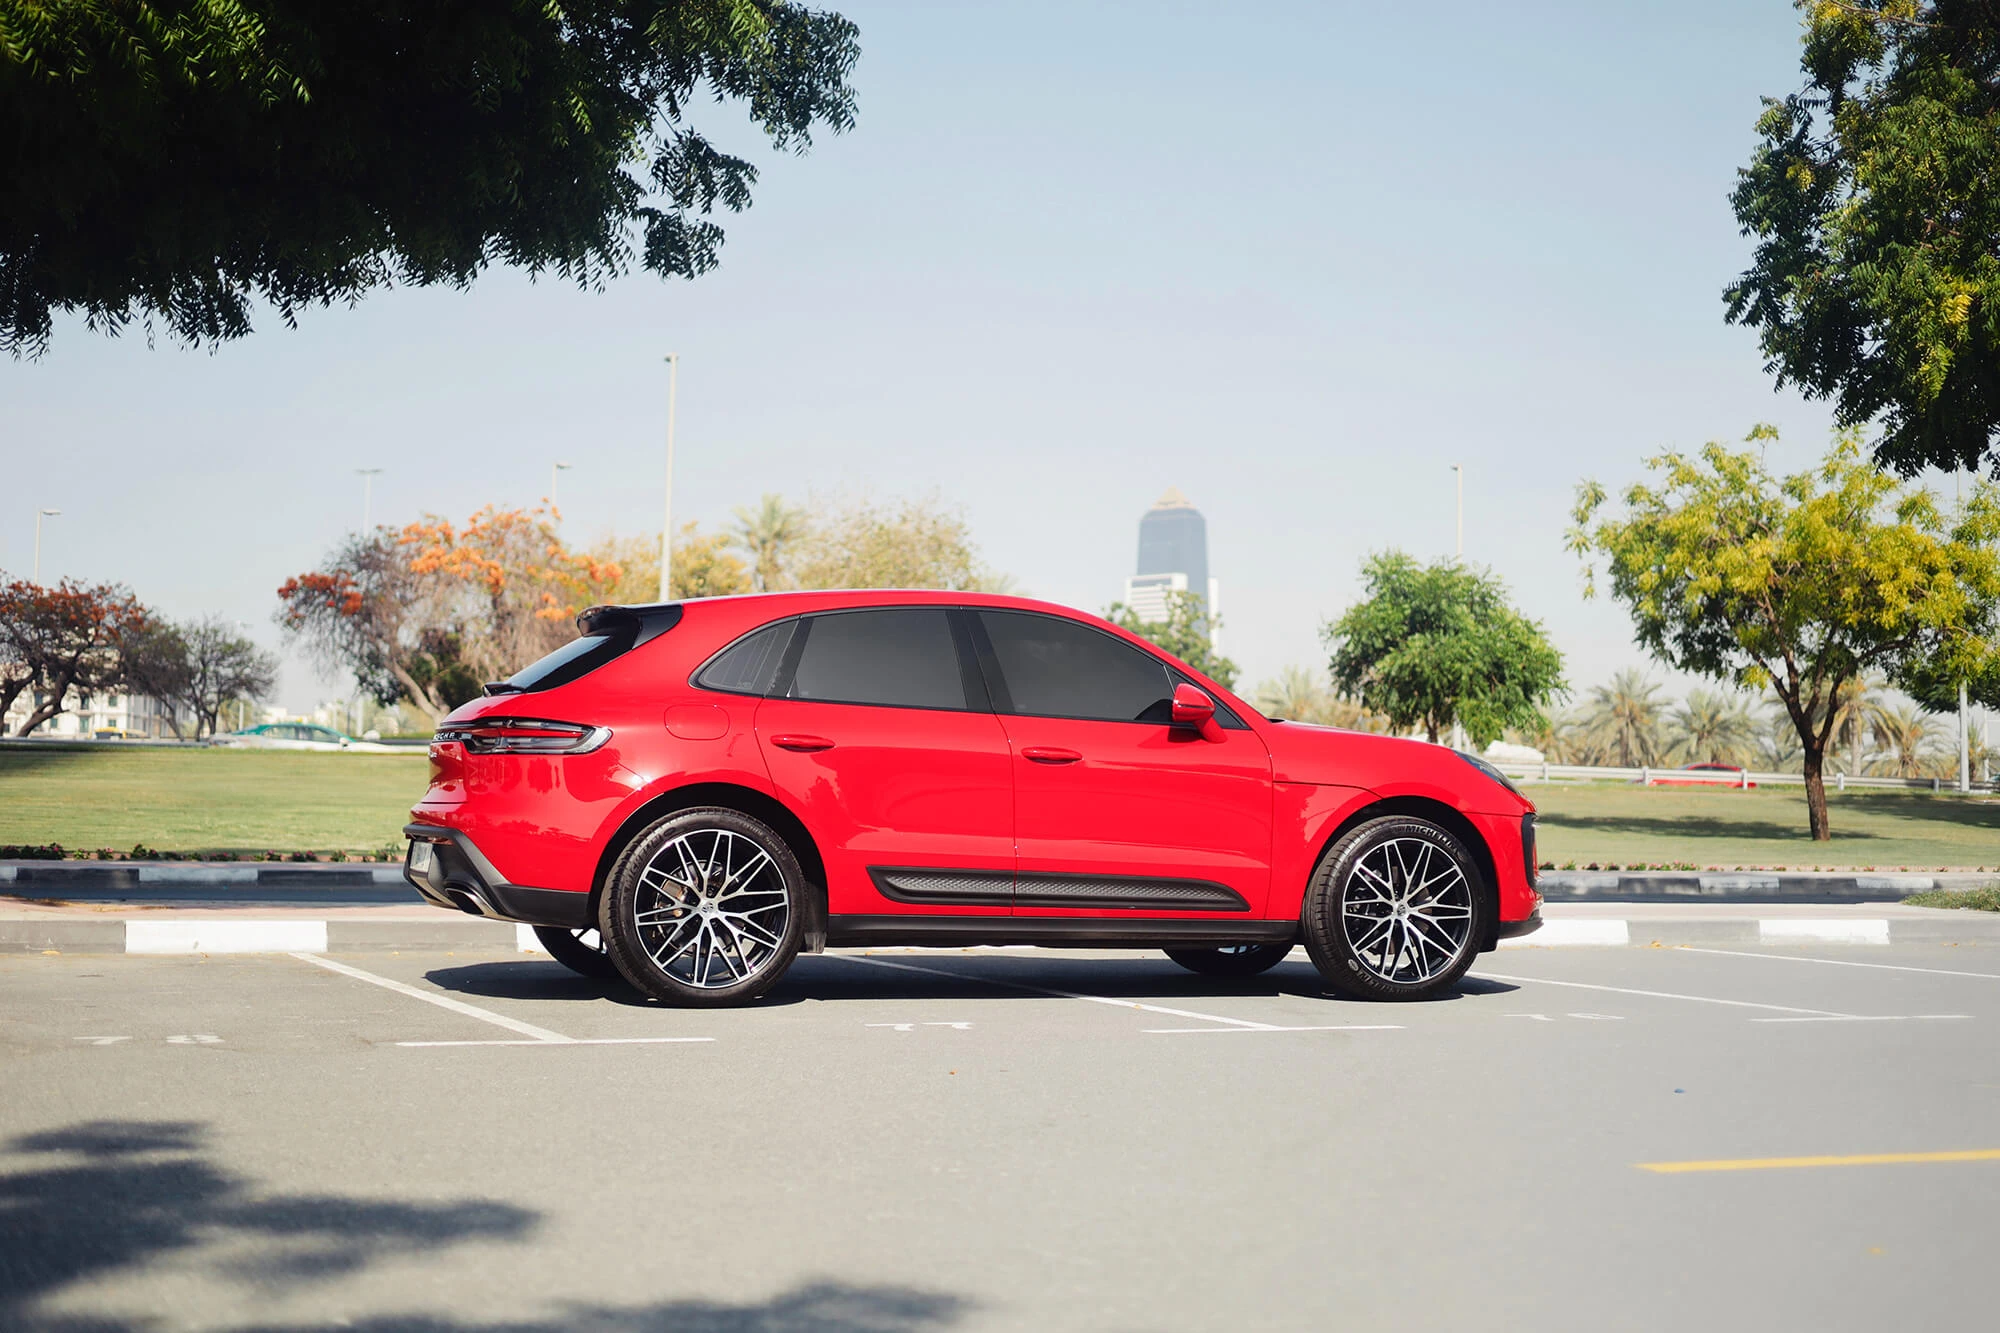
[1779, 1163]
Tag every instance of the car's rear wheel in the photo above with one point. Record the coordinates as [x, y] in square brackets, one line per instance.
[1395, 911]
[581, 951]
[1231, 960]
[704, 908]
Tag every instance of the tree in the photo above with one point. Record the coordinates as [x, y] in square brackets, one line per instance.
[175, 161]
[917, 543]
[70, 637]
[1302, 695]
[431, 612]
[1858, 710]
[1796, 584]
[768, 534]
[1433, 645]
[1623, 721]
[1188, 633]
[1908, 742]
[1875, 200]
[1714, 727]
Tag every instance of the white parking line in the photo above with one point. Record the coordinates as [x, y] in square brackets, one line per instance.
[1840, 962]
[1661, 995]
[1239, 1024]
[441, 1001]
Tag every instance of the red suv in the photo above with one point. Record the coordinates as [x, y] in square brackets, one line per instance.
[689, 794]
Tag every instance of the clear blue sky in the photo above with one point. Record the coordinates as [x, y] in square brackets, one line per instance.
[1294, 259]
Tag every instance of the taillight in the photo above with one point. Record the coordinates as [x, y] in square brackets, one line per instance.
[517, 735]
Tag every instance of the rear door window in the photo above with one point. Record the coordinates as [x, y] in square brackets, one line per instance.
[1058, 668]
[900, 656]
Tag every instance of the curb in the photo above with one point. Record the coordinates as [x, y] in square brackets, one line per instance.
[1571, 886]
[132, 874]
[193, 936]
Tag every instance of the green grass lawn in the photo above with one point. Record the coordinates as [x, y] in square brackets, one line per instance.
[1624, 824]
[207, 799]
[276, 800]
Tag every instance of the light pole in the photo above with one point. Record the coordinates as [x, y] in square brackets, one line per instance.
[555, 473]
[367, 475]
[41, 514]
[1458, 477]
[667, 533]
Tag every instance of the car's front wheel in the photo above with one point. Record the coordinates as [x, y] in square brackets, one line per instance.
[1395, 911]
[1231, 960]
[581, 951]
[704, 908]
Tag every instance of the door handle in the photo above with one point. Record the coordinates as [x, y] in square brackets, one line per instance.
[1049, 754]
[802, 743]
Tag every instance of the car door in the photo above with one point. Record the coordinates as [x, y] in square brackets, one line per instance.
[1116, 811]
[880, 736]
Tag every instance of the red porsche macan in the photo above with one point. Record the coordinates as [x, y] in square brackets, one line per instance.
[689, 794]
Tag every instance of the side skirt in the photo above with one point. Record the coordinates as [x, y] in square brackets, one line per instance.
[949, 932]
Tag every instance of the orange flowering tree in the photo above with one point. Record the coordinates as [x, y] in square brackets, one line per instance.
[70, 637]
[428, 613]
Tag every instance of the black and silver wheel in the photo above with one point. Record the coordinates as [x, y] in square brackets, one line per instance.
[704, 908]
[1395, 911]
[581, 951]
[1231, 960]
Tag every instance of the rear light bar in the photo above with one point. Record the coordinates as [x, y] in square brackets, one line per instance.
[518, 735]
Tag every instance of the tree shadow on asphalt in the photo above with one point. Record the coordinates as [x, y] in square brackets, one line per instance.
[108, 1197]
[1011, 976]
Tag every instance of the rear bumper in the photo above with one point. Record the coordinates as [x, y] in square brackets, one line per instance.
[454, 873]
[1511, 929]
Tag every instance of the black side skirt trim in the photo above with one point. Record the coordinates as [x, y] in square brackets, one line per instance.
[952, 932]
[997, 888]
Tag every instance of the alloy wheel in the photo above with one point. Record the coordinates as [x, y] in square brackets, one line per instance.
[1407, 910]
[711, 908]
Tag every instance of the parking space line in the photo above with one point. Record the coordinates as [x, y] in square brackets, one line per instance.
[1242, 1023]
[566, 1041]
[1783, 1163]
[540, 1035]
[1661, 995]
[1839, 962]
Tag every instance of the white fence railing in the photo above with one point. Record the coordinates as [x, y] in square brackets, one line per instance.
[1548, 772]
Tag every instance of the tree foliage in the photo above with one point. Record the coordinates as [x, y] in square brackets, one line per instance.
[1798, 584]
[1430, 645]
[73, 636]
[1299, 694]
[177, 160]
[1713, 727]
[1188, 633]
[430, 612]
[197, 669]
[911, 543]
[1874, 197]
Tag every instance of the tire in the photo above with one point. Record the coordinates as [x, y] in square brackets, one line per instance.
[706, 908]
[1231, 960]
[1395, 911]
[581, 951]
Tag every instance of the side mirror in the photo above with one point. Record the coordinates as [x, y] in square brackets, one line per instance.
[1192, 708]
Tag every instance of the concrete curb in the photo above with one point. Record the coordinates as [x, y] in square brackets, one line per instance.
[163, 934]
[1570, 886]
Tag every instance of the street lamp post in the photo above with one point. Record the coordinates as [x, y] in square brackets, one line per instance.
[667, 533]
[1458, 477]
[555, 473]
[367, 475]
[41, 514]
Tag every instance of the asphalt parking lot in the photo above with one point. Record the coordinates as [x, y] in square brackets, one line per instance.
[1001, 1139]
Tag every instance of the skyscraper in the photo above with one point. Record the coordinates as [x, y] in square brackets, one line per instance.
[1173, 555]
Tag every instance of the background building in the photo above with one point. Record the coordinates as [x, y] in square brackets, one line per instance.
[1173, 556]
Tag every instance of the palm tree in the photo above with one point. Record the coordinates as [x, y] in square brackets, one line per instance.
[1858, 709]
[1779, 742]
[1303, 695]
[1714, 727]
[1622, 720]
[1907, 738]
[766, 534]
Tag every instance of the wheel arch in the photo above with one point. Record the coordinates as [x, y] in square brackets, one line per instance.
[1446, 817]
[745, 800]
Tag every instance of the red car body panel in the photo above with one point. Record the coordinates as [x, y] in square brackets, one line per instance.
[1250, 808]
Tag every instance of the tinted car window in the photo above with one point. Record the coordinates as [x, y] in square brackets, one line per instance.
[1058, 668]
[750, 665]
[901, 655]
